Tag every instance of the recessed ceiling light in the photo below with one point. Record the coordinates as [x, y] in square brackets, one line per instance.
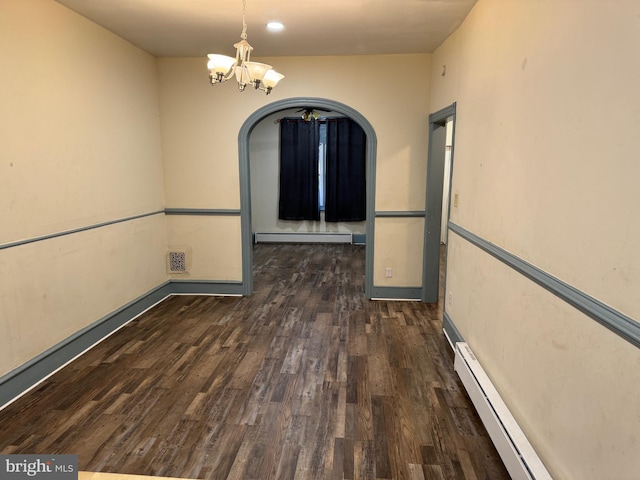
[275, 26]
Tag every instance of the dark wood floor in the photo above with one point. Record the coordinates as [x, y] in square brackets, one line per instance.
[305, 379]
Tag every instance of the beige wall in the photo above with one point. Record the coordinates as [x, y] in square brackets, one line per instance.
[80, 146]
[212, 244]
[200, 126]
[545, 167]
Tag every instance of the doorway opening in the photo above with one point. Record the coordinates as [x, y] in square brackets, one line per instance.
[245, 178]
[438, 203]
[296, 197]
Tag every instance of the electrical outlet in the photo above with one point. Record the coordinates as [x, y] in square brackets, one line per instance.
[455, 199]
[450, 299]
[388, 272]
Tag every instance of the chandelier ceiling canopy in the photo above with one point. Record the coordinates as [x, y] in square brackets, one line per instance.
[260, 75]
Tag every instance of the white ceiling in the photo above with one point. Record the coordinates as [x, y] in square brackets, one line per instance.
[191, 28]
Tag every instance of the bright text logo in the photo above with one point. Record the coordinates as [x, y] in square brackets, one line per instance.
[39, 467]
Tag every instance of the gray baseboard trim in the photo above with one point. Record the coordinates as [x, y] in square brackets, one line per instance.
[450, 330]
[400, 214]
[616, 321]
[205, 287]
[396, 293]
[25, 377]
[359, 238]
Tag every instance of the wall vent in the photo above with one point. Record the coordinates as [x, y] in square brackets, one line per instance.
[178, 261]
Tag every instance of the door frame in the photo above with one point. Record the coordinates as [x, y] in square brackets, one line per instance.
[245, 179]
[433, 205]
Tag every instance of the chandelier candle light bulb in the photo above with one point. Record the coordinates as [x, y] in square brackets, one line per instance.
[260, 75]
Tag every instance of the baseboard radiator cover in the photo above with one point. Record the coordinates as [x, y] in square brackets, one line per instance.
[303, 238]
[519, 457]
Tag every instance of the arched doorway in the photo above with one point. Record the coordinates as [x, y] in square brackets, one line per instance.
[245, 179]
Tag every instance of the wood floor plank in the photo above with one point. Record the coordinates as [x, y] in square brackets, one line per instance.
[304, 379]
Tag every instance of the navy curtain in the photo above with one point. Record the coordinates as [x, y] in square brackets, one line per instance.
[298, 170]
[346, 193]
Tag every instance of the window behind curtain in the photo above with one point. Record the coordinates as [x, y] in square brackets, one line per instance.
[346, 195]
[298, 170]
[322, 160]
[302, 190]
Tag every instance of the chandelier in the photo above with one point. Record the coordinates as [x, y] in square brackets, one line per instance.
[260, 75]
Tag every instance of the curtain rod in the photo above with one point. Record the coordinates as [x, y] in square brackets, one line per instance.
[319, 119]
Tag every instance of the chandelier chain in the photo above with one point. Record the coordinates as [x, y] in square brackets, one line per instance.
[243, 35]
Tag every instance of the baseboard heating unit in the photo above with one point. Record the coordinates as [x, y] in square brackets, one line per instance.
[519, 457]
[303, 237]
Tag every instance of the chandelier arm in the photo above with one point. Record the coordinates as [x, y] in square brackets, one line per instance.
[229, 74]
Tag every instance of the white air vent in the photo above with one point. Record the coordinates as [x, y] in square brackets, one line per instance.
[179, 260]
